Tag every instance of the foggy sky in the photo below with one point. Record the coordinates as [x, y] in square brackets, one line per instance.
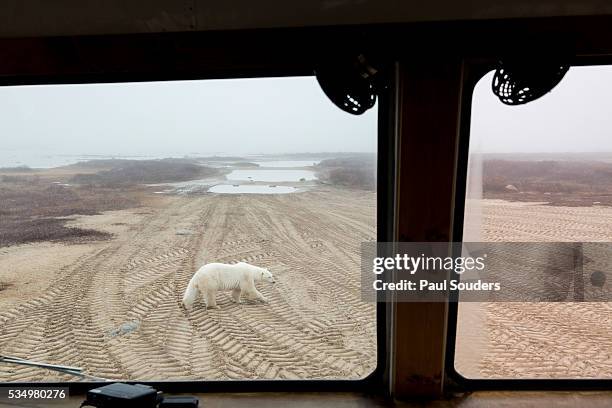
[576, 116]
[239, 116]
[280, 115]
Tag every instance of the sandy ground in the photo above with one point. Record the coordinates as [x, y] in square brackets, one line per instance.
[113, 307]
[536, 340]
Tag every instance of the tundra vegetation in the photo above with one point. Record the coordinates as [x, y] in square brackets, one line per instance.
[35, 205]
[357, 171]
[574, 183]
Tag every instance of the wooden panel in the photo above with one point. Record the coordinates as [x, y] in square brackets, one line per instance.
[428, 131]
[26, 18]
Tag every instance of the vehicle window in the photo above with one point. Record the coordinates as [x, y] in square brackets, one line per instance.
[539, 172]
[113, 196]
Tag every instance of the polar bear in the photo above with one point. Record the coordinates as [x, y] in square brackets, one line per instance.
[239, 278]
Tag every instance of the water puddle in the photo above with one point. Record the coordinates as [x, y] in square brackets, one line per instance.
[271, 175]
[251, 189]
[288, 163]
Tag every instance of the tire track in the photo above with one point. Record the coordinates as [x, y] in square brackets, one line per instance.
[547, 339]
[116, 312]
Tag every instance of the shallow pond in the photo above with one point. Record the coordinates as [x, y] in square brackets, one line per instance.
[250, 189]
[271, 175]
[287, 163]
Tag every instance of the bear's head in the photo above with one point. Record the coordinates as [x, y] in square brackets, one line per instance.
[266, 275]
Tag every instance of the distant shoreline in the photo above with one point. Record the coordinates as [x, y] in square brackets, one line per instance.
[44, 161]
[555, 156]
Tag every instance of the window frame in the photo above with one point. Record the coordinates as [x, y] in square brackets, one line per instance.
[474, 71]
[294, 52]
[96, 59]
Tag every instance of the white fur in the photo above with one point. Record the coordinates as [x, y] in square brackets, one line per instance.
[240, 278]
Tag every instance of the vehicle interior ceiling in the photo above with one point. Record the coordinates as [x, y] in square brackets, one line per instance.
[429, 55]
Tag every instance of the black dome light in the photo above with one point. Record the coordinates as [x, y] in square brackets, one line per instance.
[517, 82]
[349, 85]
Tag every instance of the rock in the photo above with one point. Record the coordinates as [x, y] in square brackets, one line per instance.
[510, 187]
[125, 328]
